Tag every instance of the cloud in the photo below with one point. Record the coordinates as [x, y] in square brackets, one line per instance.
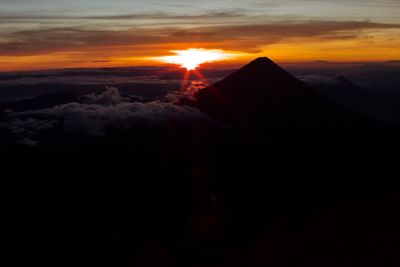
[192, 87]
[101, 61]
[86, 80]
[25, 130]
[109, 97]
[243, 37]
[98, 114]
[134, 16]
[100, 76]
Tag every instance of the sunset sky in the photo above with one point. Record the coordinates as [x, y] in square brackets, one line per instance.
[45, 34]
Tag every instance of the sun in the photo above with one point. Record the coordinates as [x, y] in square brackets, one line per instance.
[193, 57]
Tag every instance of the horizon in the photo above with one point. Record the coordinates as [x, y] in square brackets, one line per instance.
[208, 65]
[54, 35]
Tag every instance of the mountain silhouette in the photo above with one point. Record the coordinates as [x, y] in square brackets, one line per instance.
[42, 101]
[262, 94]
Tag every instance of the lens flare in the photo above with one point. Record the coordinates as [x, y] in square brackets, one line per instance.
[192, 58]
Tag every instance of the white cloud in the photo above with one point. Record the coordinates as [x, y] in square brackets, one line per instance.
[99, 113]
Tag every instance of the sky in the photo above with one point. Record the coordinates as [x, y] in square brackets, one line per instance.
[45, 34]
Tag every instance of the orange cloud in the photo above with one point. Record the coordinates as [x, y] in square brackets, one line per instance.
[289, 41]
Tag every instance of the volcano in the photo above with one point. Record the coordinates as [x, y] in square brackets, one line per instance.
[262, 94]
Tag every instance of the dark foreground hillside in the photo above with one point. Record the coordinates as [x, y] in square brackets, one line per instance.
[257, 170]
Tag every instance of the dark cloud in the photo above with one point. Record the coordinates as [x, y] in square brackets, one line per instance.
[153, 16]
[26, 130]
[87, 80]
[101, 61]
[147, 40]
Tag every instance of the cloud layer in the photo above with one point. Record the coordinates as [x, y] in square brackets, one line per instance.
[247, 38]
[99, 114]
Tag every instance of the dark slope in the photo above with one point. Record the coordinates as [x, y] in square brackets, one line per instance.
[285, 140]
[379, 105]
[261, 94]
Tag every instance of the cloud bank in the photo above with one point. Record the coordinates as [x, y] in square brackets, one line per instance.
[97, 115]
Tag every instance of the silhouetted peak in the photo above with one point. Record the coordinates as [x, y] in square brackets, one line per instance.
[261, 60]
[258, 70]
[262, 91]
[261, 73]
[262, 64]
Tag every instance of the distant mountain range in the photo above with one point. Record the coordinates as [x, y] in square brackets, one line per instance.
[380, 105]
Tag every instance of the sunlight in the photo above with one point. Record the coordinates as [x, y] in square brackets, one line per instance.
[193, 57]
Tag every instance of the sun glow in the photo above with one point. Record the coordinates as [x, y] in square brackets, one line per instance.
[193, 57]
